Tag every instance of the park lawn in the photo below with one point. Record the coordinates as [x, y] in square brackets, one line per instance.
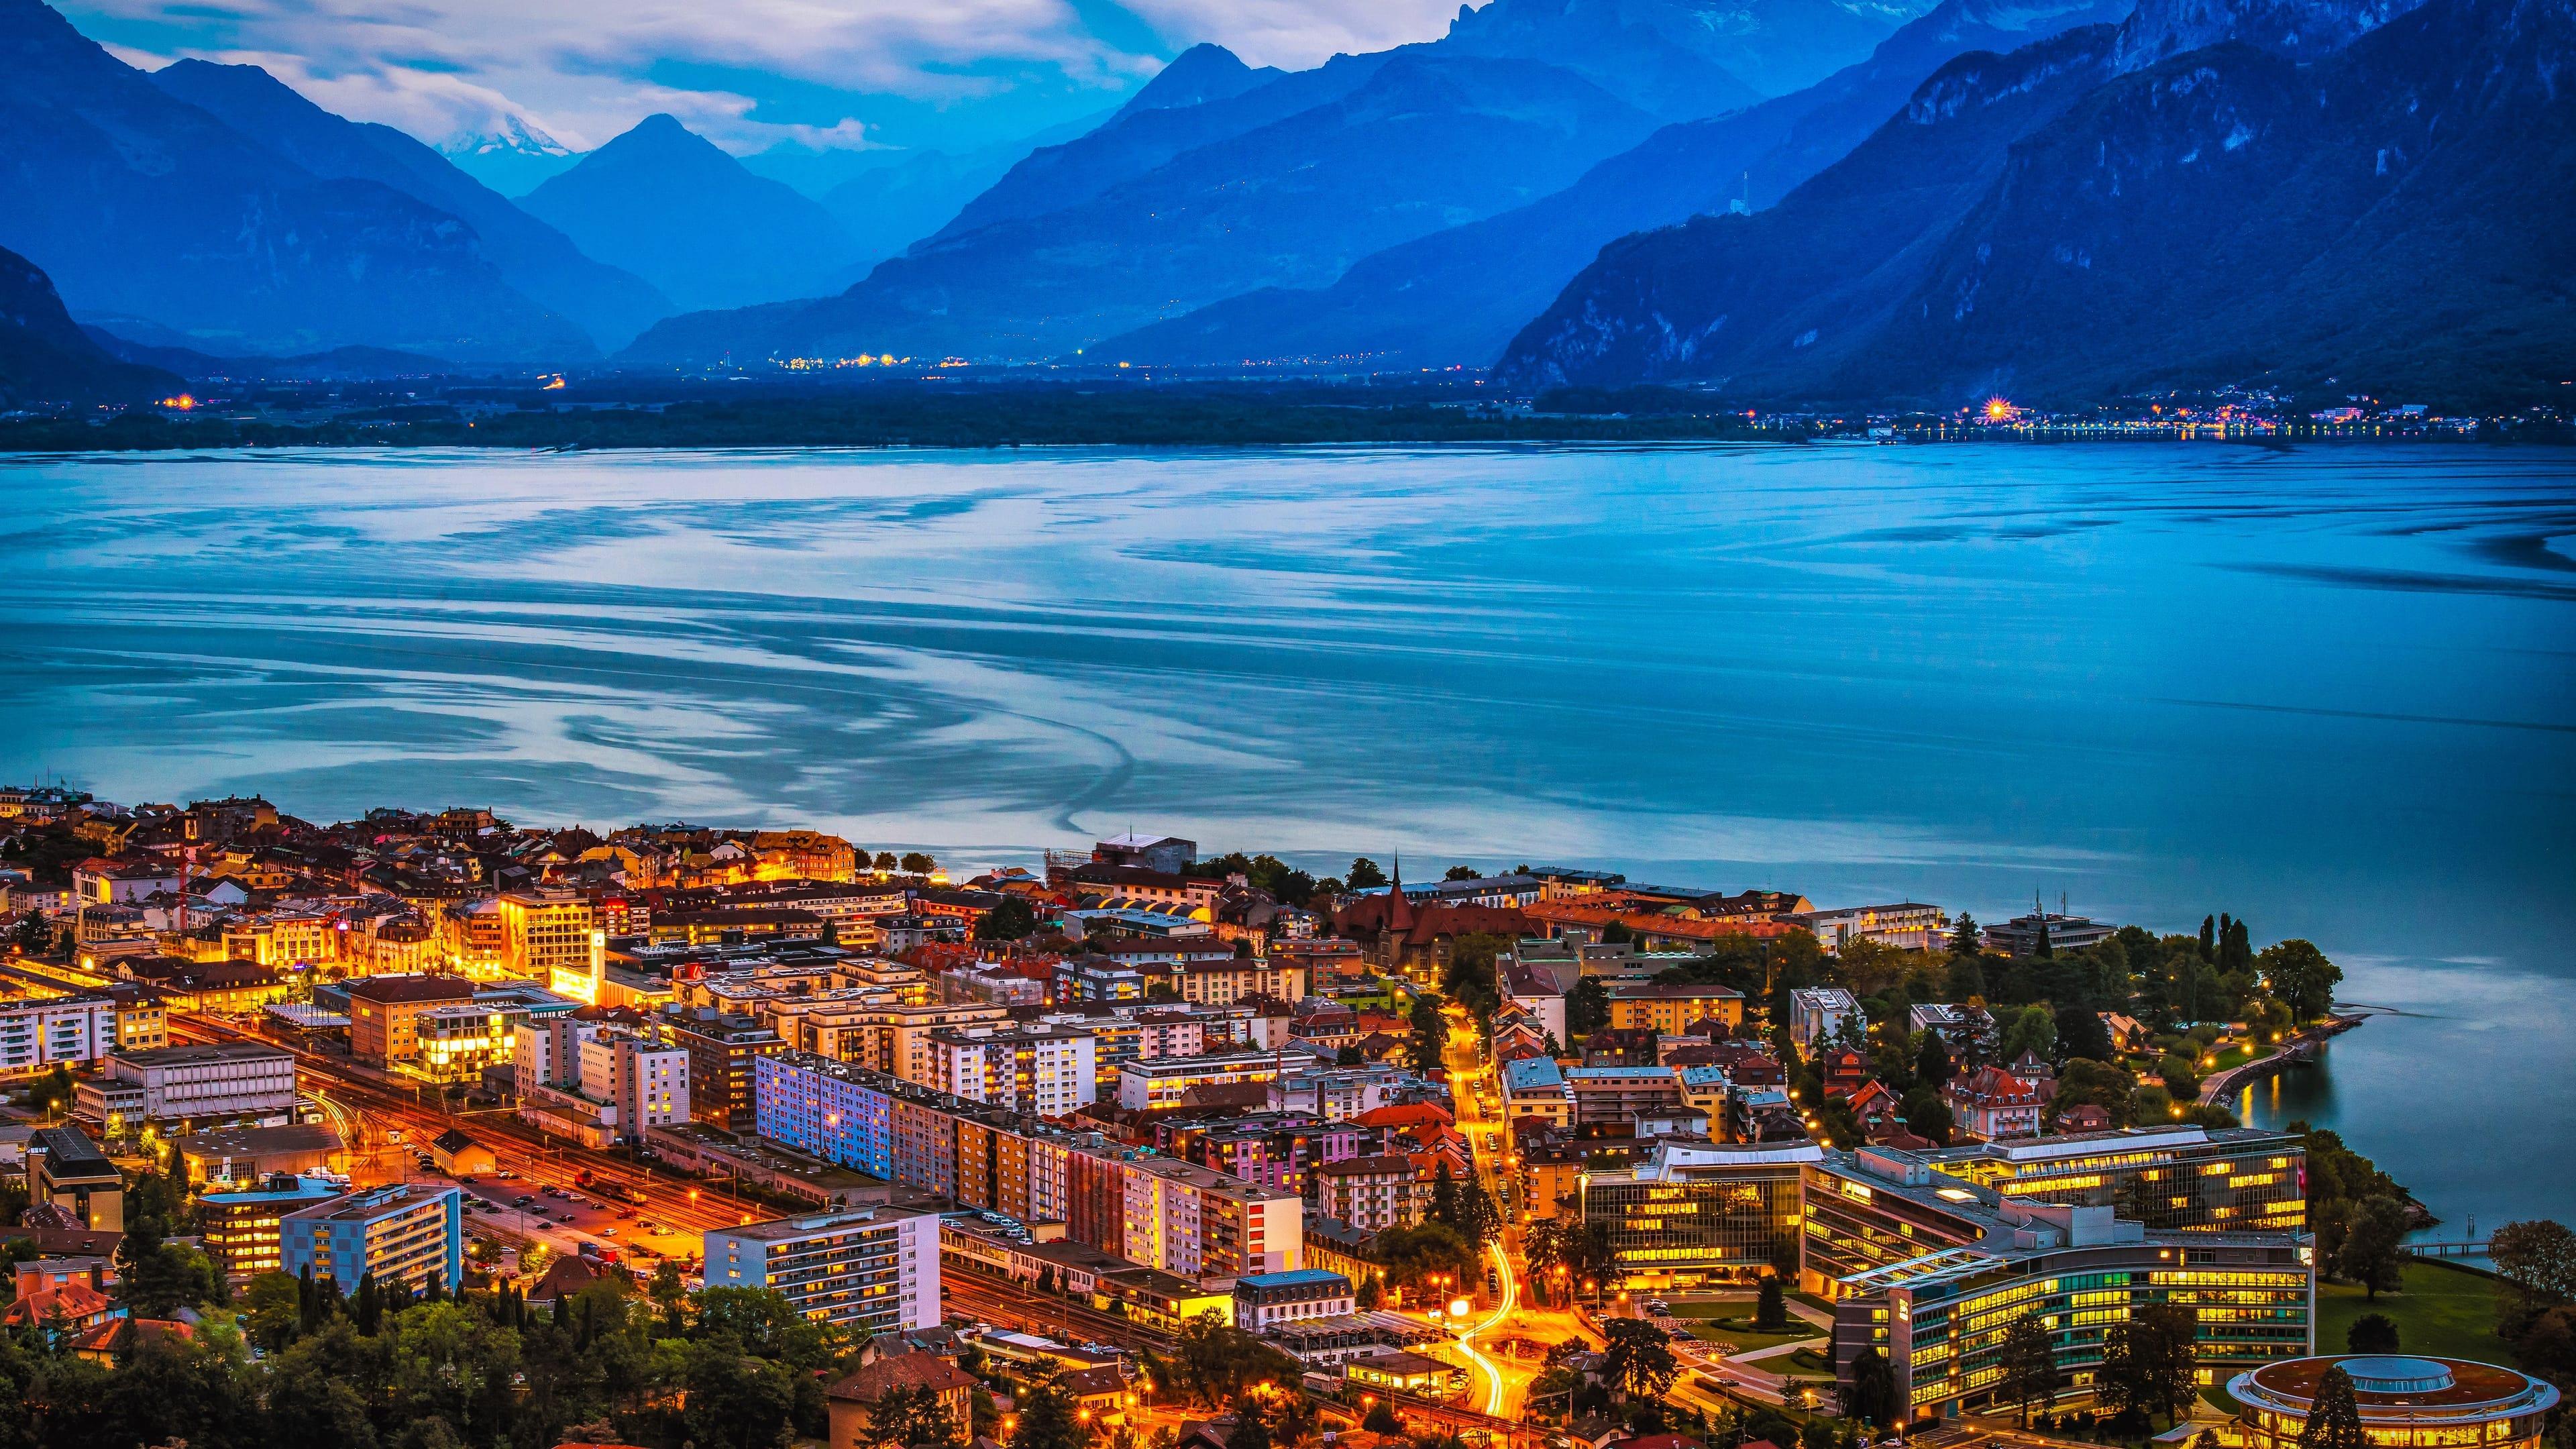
[1715, 1308]
[2444, 1311]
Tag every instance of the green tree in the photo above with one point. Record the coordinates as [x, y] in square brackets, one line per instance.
[1381, 1417]
[885, 861]
[2300, 976]
[1365, 875]
[2373, 1252]
[1010, 919]
[1928, 1116]
[2081, 1036]
[1463, 872]
[2371, 1333]
[918, 863]
[2334, 1419]
[2029, 1363]
[908, 1417]
[669, 1294]
[1932, 1067]
[1587, 1007]
[731, 1400]
[2148, 1361]
[52, 1093]
[1867, 1393]
[2033, 1029]
[1430, 1042]
[2535, 1264]
[1771, 1307]
[1964, 939]
[1638, 1361]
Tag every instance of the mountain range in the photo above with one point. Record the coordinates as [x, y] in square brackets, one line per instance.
[2305, 194]
[46, 358]
[674, 208]
[1456, 296]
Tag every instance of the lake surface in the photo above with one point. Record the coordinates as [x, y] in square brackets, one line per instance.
[2329, 690]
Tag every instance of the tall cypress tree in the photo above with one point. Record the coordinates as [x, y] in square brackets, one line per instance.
[371, 1305]
[2208, 938]
[2334, 1420]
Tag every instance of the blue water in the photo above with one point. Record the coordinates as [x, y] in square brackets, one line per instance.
[2329, 690]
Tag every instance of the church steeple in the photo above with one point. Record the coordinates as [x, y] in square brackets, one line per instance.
[1399, 914]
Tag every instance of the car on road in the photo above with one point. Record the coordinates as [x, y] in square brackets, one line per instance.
[608, 1232]
[524, 1199]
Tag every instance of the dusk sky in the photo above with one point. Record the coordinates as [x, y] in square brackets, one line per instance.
[749, 73]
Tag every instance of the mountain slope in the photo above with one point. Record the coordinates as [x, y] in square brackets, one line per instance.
[1426, 142]
[138, 204]
[1683, 59]
[535, 258]
[667, 205]
[514, 160]
[1455, 297]
[2390, 216]
[46, 358]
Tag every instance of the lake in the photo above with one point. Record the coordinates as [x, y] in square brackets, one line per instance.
[2329, 690]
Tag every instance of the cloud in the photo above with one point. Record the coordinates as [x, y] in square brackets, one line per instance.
[747, 73]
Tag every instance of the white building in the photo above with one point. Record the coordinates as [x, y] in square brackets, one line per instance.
[1047, 1069]
[877, 1267]
[1160, 1083]
[38, 1035]
[1906, 925]
[646, 1081]
[1817, 1013]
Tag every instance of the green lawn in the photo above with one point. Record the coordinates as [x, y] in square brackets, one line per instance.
[2443, 1311]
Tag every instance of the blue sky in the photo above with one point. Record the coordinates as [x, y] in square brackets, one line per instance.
[955, 74]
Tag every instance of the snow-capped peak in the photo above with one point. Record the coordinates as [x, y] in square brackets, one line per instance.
[516, 137]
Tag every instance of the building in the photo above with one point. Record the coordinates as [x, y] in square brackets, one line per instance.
[66, 1169]
[406, 1234]
[243, 1155]
[1263, 1300]
[1166, 853]
[1819, 1012]
[1144, 1086]
[1402, 1371]
[1670, 1009]
[2405, 1400]
[551, 938]
[1696, 1212]
[385, 1011]
[853, 1400]
[2026, 935]
[458, 1155]
[645, 1080]
[186, 1086]
[1608, 1100]
[40, 1033]
[723, 1051]
[457, 1043]
[1044, 1069]
[2231, 1179]
[1993, 1103]
[1535, 1087]
[875, 1267]
[1906, 925]
[242, 1232]
[1371, 1193]
[1931, 1270]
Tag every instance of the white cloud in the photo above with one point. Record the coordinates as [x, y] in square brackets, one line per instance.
[437, 68]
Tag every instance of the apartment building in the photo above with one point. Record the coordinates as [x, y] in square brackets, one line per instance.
[1669, 1009]
[385, 1011]
[723, 1052]
[406, 1234]
[1817, 1013]
[1373, 1193]
[876, 1268]
[1146, 1085]
[242, 1229]
[39, 1033]
[645, 1080]
[1044, 1069]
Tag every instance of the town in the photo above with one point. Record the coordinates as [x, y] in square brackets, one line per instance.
[440, 1129]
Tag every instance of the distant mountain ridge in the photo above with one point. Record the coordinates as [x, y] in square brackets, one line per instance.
[611, 305]
[673, 208]
[513, 160]
[46, 358]
[1457, 296]
[138, 203]
[2061, 223]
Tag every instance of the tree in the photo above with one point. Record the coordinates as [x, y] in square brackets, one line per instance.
[885, 861]
[1928, 1116]
[1463, 872]
[1381, 1417]
[912, 1416]
[1479, 1220]
[1365, 875]
[2148, 1362]
[2373, 1252]
[1010, 919]
[2536, 1263]
[1444, 1197]
[1430, 1034]
[668, 1292]
[2300, 976]
[1771, 1307]
[1965, 978]
[1587, 1007]
[2334, 1419]
[2033, 1029]
[1932, 1066]
[1964, 940]
[918, 863]
[2029, 1363]
[2081, 1034]
[1639, 1361]
[52, 1093]
[2371, 1333]
[1868, 1395]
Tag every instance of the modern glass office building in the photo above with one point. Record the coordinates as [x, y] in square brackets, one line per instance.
[1699, 1212]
